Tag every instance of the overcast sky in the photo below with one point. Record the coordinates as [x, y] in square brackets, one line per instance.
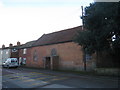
[27, 20]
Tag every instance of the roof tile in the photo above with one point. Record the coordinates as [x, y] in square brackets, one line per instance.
[58, 37]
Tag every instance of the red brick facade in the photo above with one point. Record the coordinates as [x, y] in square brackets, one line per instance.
[70, 56]
[56, 51]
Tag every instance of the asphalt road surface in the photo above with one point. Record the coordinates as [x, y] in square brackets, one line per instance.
[39, 78]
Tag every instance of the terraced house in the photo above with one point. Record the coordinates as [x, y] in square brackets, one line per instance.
[58, 51]
[24, 50]
[55, 50]
[9, 52]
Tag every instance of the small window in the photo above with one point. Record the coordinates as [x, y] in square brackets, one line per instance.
[24, 51]
[13, 61]
[1, 52]
[35, 57]
[6, 52]
[24, 61]
[53, 52]
[14, 50]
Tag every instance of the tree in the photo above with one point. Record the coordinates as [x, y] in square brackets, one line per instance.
[101, 22]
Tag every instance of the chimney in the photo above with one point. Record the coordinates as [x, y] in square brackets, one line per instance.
[10, 45]
[18, 43]
[3, 46]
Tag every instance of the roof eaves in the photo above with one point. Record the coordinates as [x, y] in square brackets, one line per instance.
[28, 44]
[53, 43]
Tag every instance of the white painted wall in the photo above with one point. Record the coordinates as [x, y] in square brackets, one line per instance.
[4, 54]
[0, 56]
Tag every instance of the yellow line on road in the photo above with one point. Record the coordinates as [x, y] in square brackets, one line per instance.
[28, 80]
[39, 83]
[35, 84]
[36, 73]
[19, 78]
[40, 73]
[57, 79]
[33, 75]
[40, 78]
[13, 77]
[54, 76]
[50, 77]
[32, 72]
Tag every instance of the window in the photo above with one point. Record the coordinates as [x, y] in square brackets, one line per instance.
[53, 52]
[24, 61]
[1, 52]
[24, 51]
[6, 52]
[14, 50]
[13, 61]
[35, 56]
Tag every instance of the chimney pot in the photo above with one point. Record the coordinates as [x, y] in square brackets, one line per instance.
[3, 46]
[10, 45]
[18, 43]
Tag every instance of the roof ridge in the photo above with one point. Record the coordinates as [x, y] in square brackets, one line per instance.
[58, 36]
[63, 30]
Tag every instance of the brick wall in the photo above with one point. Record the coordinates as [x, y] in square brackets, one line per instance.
[70, 56]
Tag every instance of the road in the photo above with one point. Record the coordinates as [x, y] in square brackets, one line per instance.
[39, 78]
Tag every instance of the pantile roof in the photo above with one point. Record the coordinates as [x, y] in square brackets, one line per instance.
[58, 37]
[28, 44]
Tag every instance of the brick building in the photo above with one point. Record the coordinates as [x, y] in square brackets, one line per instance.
[9, 52]
[24, 50]
[58, 51]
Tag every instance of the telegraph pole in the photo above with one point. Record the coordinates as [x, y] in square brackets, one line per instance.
[84, 53]
[82, 18]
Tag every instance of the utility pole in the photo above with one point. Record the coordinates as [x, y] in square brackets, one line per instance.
[84, 53]
[82, 18]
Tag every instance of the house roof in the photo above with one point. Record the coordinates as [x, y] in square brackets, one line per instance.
[15, 47]
[28, 44]
[58, 37]
[12, 47]
[51, 38]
